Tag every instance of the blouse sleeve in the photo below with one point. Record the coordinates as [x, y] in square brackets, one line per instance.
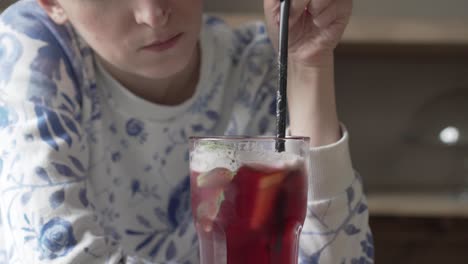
[47, 209]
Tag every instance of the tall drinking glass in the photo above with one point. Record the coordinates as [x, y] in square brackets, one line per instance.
[248, 200]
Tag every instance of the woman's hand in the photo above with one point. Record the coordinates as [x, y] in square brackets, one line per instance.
[315, 28]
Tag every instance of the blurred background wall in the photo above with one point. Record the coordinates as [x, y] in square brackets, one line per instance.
[5, 3]
[430, 9]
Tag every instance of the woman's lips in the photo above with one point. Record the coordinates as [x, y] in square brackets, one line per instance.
[159, 46]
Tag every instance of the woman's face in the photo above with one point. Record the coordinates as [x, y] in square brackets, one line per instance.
[149, 38]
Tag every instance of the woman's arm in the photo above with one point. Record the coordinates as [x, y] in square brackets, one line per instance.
[47, 205]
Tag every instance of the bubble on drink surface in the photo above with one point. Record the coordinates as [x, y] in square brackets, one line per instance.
[270, 159]
[206, 157]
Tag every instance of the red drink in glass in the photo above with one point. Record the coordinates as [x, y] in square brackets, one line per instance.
[249, 212]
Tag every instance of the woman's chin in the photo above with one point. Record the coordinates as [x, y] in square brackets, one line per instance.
[164, 72]
[167, 68]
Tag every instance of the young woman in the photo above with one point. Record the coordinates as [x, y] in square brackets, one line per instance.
[97, 98]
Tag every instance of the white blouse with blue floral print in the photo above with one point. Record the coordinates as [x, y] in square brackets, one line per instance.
[90, 173]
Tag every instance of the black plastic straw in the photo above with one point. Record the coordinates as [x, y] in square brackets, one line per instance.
[281, 97]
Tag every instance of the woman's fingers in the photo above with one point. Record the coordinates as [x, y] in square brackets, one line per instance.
[327, 16]
[315, 7]
[337, 10]
[297, 9]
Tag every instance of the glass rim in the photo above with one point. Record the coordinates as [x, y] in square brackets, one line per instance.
[248, 138]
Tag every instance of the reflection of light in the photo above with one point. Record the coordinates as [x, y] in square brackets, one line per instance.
[449, 135]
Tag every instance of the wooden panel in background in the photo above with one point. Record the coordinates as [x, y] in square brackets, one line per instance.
[404, 240]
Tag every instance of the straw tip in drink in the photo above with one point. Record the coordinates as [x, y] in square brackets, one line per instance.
[207, 228]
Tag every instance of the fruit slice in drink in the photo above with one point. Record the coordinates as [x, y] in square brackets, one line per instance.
[209, 195]
[256, 189]
[257, 192]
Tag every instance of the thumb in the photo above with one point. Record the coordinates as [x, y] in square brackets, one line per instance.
[315, 7]
[298, 7]
[272, 9]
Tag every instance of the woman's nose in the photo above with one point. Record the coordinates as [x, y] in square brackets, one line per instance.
[153, 13]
